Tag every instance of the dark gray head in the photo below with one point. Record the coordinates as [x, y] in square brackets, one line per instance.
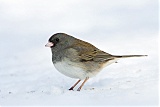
[59, 41]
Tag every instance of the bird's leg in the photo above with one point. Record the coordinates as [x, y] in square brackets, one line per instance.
[74, 85]
[82, 84]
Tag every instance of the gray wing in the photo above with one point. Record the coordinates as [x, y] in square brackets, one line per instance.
[87, 52]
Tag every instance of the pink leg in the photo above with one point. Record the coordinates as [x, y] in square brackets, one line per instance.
[74, 85]
[82, 84]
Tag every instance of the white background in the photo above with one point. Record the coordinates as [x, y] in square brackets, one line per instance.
[119, 27]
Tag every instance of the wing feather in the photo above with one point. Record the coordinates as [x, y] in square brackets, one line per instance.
[87, 52]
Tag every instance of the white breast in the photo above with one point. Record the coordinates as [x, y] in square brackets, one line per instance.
[67, 68]
[72, 69]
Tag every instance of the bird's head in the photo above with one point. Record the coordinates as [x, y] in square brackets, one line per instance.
[59, 41]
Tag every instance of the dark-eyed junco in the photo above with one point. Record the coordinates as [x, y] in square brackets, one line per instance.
[79, 59]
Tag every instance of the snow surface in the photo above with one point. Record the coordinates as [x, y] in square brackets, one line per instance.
[28, 77]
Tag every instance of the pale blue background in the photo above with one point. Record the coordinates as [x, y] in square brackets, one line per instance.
[30, 22]
[120, 27]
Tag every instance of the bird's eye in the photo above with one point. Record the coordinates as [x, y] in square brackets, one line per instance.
[57, 40]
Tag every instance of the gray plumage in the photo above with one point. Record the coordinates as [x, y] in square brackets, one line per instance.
[79, 59]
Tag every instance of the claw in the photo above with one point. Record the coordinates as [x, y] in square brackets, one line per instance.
[71, 89]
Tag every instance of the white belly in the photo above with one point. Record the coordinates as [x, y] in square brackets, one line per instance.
[72, 70]
[69, 70]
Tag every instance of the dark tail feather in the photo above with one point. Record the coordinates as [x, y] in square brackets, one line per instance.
[128, 56]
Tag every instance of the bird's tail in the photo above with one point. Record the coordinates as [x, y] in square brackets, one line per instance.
[128, 56]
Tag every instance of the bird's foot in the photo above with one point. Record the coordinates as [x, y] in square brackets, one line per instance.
[79, 89]
[71, 89]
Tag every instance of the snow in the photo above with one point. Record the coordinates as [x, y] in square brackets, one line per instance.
[28, 77]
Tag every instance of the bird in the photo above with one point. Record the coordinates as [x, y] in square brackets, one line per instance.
[79, 59]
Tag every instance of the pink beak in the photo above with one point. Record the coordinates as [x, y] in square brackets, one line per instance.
[49, 44]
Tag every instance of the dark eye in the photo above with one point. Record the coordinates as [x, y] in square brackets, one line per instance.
[57, 40]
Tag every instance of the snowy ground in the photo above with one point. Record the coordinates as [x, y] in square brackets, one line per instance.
[28, 77]
[34, 81]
